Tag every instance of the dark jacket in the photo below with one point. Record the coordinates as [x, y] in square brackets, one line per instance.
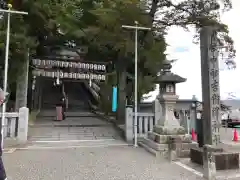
[2, 170]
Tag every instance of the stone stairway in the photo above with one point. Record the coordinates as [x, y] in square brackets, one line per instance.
[73, 128]
[78, 96]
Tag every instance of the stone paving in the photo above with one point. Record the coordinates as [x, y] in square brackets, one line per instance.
[221, 175]
[99, 163]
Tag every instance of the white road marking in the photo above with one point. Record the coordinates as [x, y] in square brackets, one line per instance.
[9, 151]
[229, 177]
[201, 174]
[189, 169]
[232, 143]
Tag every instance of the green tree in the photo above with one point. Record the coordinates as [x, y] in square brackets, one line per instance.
[35, 33]
[194, 13]
[97, 24]
[108, 36]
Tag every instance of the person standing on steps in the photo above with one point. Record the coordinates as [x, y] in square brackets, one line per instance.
[63, 104]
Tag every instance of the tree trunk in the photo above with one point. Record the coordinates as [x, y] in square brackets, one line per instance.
[22, 85]
[122, 74]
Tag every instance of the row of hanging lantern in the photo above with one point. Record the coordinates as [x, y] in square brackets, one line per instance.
[70, 75]
[69, 64]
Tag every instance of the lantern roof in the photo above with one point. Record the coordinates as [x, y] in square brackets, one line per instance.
[167, 76]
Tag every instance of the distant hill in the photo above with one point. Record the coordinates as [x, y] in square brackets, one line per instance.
[234, 104]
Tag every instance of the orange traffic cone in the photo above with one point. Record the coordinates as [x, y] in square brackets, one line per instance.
[193, 135]
[235, 136]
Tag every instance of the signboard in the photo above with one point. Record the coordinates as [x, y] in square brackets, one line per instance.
[69, 64]
[69, 75]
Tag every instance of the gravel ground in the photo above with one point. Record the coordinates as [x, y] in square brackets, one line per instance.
[101, 163]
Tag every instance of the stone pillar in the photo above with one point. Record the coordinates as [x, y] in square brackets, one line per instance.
[157, 111]
[22, 85]
[12, 127]
[209, 164]
[192, 122]
[129, 124]
[184, 120]
[210, 85]
[23, 125]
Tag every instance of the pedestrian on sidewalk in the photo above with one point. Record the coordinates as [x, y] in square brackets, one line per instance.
[2, 169]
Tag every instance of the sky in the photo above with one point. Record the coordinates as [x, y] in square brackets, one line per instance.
[188, 60]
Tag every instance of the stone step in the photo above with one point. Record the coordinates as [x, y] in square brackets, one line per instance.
[185, 147]
[75, 143]
[184, 153]
[148, 149]
[162, 139]
[154, 145]
[158, 150]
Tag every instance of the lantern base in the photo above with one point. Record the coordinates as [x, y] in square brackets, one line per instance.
[168, 142]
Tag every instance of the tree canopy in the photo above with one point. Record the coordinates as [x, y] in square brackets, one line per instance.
[98, 25]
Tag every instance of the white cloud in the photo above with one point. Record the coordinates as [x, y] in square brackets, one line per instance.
[188, 63]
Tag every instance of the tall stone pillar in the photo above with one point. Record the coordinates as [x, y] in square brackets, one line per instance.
[212, 156]
[210, 86]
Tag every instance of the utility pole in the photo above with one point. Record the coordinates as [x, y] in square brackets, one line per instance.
[5, 82]
[136, 27]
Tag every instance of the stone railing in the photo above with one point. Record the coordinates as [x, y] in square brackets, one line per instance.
[145, 123]
[16, 125]
[93, 90]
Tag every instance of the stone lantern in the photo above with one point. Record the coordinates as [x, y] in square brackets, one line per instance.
[167, 132]
[167, 98]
